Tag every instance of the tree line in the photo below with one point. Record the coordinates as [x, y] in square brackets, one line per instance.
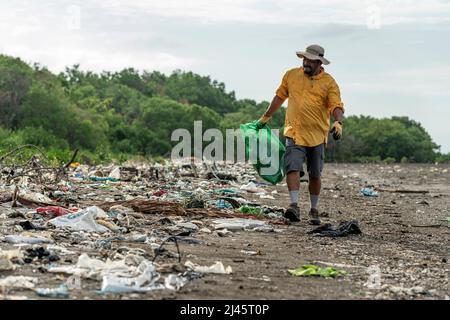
[118, 115]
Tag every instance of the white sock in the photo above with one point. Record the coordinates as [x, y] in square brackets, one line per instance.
[294, 196]
[314, 200]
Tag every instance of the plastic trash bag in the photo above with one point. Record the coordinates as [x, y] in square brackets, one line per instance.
[345, 228]
[217, 268]
[60, 292]
[264, 150]
[312, 270]
[83, 220]
[369, 192]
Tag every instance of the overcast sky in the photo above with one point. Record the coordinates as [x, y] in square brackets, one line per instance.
[389, 57]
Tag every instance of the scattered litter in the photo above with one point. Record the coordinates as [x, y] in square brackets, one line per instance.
[250, 210]
[222, 204]
[237, 224]
[39, 253]
[6, 257]
[144, 282]
[268, 196]
[175, 282]
[223, 233]
[18, 282]
[102, 179]
[115, 174]
[92, 268]
[82, 220]
[369, 192]
[251, 187]
[61, 292]
[345, 228]
[18, 239]
[28, 225]
[57, 211]
[312, 270]
[217, 267]
[205, 230]
[188, 225]
[263, 278]
[251, 253]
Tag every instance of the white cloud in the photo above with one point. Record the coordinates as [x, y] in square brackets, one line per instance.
[289, 12]
[98, 60]
[415, 81]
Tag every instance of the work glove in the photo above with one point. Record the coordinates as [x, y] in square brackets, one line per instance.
[261, 122]
[336, 131]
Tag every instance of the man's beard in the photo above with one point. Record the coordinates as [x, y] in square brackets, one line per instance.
[308, 70]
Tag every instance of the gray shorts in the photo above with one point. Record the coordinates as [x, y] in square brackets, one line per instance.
[295, 157]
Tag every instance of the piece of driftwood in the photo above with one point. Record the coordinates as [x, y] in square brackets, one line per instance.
[402, 190]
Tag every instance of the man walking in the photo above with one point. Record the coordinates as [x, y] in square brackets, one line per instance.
[313, 96]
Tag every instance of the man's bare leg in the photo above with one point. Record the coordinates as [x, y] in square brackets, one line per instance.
[293, 182]
[314, 192]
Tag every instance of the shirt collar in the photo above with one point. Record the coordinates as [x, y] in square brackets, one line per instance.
[316, 77]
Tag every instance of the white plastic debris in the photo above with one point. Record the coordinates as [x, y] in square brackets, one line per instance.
[251, 187]
[36, 197]
[6, 257]
[115, 173]
[60, 292]
[144, 282]
[19, 282]
[205, 230]
[60, 249]
[92, 268]
[266, 196]
[175, 282]
[188, 225]
[138, 238]
[236, 224]
[18, 239]
[82, 220]
[217, 268]
[223, 232]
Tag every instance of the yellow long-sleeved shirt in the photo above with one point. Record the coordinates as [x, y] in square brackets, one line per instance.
[311, 102]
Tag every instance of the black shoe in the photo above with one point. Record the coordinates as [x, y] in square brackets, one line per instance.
[314, 217]
[293, 213]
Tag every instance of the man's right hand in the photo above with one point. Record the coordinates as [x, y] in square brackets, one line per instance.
[262, 121]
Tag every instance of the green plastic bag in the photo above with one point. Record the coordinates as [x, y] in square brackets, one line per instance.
[264, 150]
[312, 270]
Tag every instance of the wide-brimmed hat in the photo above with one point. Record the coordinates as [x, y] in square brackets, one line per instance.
[313, 52]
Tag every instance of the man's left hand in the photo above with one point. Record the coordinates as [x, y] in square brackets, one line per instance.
[336, 131]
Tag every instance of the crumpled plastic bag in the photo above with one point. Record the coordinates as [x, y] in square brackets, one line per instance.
[83, 220]
[60, 292]
[5, 259]
[115, 173]
[269, 166]
[369, 192]
[144, 282]
[23, 239]
[92, 268]
[217, 268]
[20, 282]
[345, 228]
[236, 224]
